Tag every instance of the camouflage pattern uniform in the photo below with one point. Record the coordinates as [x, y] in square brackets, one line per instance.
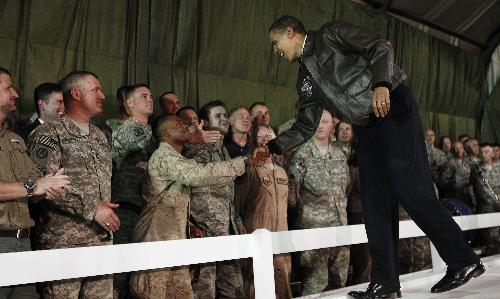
[486, 183]
[438, 164]
[457, 181]
[69, 222]
[110, 125]
[212, 209]
[262, 201]
[14, 214]
[165, 215]
[132, 143]
[317, 188]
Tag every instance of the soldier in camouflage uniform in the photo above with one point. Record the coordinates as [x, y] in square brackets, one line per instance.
[131, 148]
[485, 178]
[19, 182]
[84, 216]
[456, 179]
[165, 215]
[213, 211]
[319, 176]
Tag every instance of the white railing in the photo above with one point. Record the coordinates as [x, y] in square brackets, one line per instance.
[47, 265]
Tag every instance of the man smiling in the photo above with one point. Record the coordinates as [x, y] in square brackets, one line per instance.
[351, 73]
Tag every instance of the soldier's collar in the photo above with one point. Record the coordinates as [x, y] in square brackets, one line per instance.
[73, 129]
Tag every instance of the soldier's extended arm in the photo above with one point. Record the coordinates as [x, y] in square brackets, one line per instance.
[191, 173]
[46, 154]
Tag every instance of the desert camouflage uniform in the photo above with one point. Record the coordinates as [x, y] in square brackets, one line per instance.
[132, 143]
[69, 222]
[486, 183]
[16, 166]
[317, 188]
[212, 209]
[262, 201]
[165, 215]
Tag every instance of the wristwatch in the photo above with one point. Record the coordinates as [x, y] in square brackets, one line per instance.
[30, 186]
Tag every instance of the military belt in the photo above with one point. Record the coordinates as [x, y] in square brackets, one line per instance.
[23, 233]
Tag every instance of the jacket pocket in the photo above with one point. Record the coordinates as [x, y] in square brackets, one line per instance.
[359, 95]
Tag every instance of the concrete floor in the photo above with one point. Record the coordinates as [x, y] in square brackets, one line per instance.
[417, 285]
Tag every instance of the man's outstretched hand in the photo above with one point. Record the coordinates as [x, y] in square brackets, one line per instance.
[259, 156]
[202, 136]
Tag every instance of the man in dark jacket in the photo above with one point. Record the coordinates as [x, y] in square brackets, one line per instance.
[351, 73]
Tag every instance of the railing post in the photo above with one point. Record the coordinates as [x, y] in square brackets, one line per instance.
[263, 268]
[438, 264]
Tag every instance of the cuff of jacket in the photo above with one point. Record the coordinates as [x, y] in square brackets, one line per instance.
[382, 84]
[274, 147]
[88, 212]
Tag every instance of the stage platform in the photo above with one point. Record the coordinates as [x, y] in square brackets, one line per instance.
[417, 285]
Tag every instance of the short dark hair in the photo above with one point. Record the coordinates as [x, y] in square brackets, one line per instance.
[132, 88]
[157, 125]
[337, 127]
[71, 80]
[441, 141]
[160, 98]
[4, 71]
[257, 104]
[43, 91]
[463, 136]
[184, 109]
[205, 109]
[282, 23]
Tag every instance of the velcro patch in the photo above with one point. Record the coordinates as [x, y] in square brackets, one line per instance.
[41, 154]
[138, 132]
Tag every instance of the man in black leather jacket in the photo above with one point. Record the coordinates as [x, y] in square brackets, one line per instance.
[351, 73]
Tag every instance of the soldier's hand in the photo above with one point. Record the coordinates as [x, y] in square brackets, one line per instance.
[381, 103]
[202, 136]
[106, 217]
[259, 156]
[195, 232]
[54, 193]
[57, 180]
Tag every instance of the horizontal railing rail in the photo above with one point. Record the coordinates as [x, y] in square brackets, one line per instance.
[47, 265]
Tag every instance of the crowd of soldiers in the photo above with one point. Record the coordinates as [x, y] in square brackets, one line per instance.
[199, 173]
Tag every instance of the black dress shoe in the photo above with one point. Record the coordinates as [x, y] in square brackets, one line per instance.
[375, 291]
[454, 279]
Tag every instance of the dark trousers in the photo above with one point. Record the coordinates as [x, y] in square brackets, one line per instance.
[393, 169]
